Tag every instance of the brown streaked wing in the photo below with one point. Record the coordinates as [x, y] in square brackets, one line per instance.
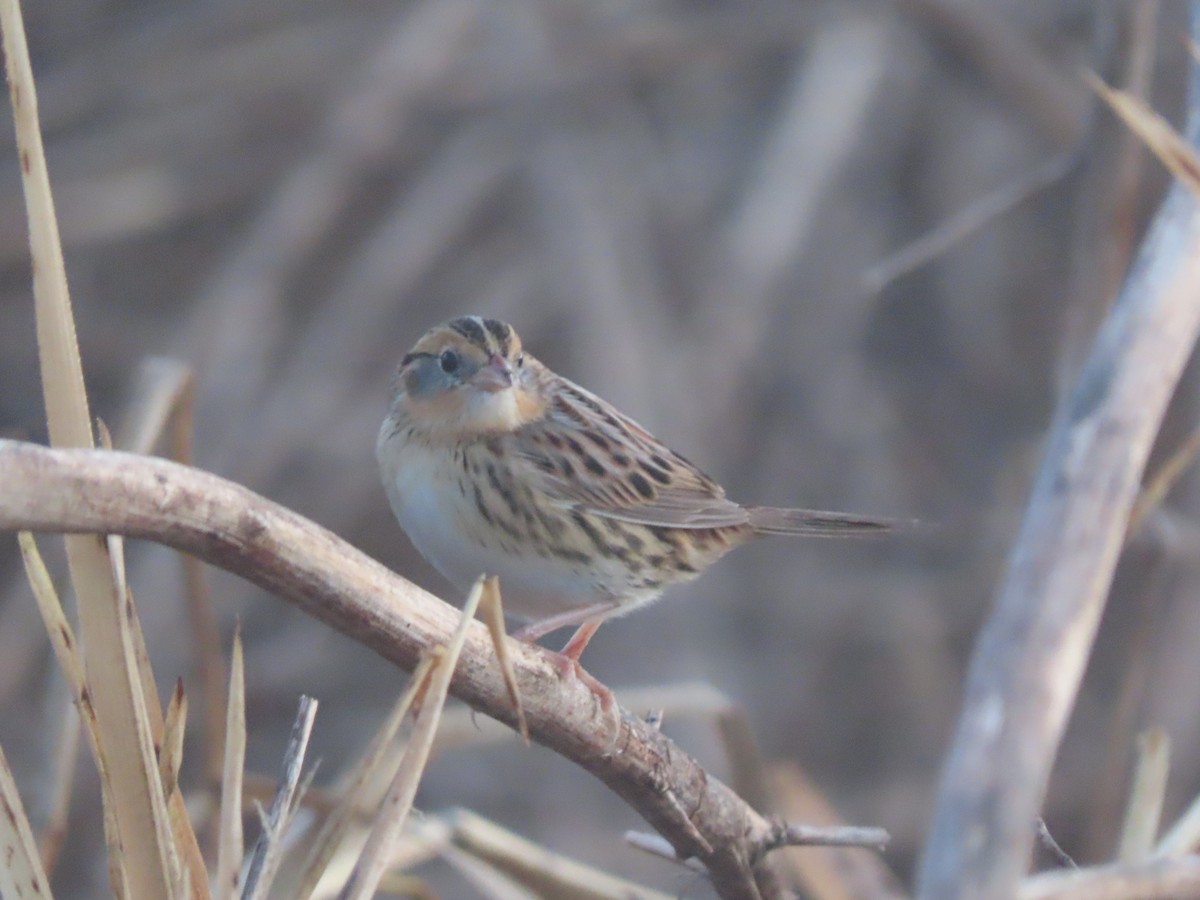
[585, 455]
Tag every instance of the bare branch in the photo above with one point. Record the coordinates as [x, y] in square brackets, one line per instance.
[790, 834]
[104, 491]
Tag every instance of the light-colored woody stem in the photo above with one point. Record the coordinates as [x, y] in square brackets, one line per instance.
[43, 489]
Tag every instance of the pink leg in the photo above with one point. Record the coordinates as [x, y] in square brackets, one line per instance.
[578, 616]
[570, 657]
[574, 647]
[588, 619]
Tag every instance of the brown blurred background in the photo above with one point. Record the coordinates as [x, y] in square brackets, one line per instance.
[693, 209]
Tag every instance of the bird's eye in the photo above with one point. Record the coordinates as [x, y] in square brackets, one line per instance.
[449, 361]
[520, 360]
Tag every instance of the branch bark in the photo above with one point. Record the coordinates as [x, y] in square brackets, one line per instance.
[99, 491]
[1031, 655]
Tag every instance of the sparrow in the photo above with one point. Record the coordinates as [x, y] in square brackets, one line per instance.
[494, 464]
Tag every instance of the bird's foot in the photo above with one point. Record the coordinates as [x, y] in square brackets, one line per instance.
[569, 668]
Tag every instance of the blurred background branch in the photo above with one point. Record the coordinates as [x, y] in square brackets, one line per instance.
[1032, 652]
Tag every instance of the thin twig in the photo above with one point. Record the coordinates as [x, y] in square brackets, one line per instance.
[1047, 840]
[656, 845]
[991, 206]
[785, 834]
[230, 845]
[376, 855]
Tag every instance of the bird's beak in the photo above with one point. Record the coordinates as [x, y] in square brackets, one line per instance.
[494, 377]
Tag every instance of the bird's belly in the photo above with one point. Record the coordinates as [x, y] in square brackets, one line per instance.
[434, 509]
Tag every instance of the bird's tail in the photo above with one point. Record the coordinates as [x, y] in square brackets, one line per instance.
[814, 523]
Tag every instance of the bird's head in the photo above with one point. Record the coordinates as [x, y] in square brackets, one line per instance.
[467, 377]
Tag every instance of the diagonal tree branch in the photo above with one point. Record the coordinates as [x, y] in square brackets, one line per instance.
[1031, 655]
[100, 491]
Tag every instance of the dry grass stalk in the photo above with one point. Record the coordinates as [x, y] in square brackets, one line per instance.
[1184, 836]
[62, 639]
[491, 882]
[163, 401]
[66, 758]
[145, 848]
[21, 873]
[1159, 484]
[549, 874]
[268, 849]
[376, 855]
[171, 757]
[1144, 811]
[492, 607]
[354, 797]
[230, 845]
[1172, 149]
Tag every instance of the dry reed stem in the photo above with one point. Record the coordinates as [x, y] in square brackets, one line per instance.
[223, 523]
[1144, 811]
[230, 844]
[62, 639]
[145, 847]
[21, 872]
[1031, 654]
[171, 757]
[1184, 836]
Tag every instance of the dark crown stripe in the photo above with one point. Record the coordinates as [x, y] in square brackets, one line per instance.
[469, 327]
[501, 332]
